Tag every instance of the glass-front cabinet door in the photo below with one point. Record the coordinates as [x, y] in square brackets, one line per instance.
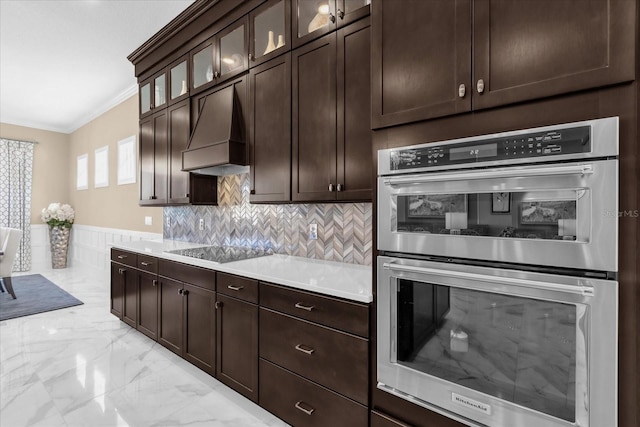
[178, 80]
[153, 93]
[202, 65]
[348, 11]
[145, 97]
[233, 51]
[160, 91]
[270, 33]
[312, 19]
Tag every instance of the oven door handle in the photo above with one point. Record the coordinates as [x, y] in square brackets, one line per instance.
[488, 174]
[579, 290]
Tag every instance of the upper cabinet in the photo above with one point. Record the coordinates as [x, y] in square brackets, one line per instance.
[178, 73]
[153, 93]
[314, 18]
[222, 57]
[270, 31]
[437, 58]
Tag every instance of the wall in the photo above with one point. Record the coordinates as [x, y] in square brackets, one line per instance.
[50, 165]
[115, 206]
[344, 229]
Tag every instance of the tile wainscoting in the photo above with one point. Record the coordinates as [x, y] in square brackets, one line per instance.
[89, 245]
[344, 229]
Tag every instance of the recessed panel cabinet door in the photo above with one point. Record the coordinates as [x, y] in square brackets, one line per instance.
[130, 308]
[421, 59]
[531, 49]
[117, 290]
[148, 304]
[171, 308]
[153, 159]
[270, 131]
[199, 327]
[237, 345]
[179, 132]
[314, 120]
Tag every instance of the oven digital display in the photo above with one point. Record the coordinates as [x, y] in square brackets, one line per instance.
[473, 152]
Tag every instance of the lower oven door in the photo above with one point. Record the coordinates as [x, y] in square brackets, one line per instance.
[498, 347]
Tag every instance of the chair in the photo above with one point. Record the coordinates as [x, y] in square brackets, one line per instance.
[10, 238]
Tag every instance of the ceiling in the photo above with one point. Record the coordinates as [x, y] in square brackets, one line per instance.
[63, 63]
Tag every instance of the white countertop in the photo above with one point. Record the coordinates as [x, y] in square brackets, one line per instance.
[337, 279]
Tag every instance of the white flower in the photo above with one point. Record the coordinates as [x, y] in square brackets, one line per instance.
[58, 215]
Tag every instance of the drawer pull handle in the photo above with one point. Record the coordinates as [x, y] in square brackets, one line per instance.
[304, 307]
[299, 347]
[122, 256]
[122, 270]
[235, 288]
[145, 263]
[298, 405]
[155, 282]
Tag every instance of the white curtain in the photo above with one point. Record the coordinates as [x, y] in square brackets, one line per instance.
[16, 171]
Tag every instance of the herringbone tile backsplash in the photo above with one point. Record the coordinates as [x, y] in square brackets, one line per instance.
[344, 229]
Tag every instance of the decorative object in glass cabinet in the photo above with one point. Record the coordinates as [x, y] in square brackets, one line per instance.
[145, 98]
[160, 84]
[314, 15]
[178, 79]
[269, 30]
[203, 66]
[232, 51]
[351, 6]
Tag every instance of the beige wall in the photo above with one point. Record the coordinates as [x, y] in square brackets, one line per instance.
[50, 165]
[54, 171]
[115, 206]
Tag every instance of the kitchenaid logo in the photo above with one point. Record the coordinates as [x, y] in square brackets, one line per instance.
[470, 403]
[622, 214]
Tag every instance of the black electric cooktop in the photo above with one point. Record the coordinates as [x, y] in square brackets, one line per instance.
[221, 254]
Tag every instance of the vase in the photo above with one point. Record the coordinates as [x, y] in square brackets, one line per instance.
[271, 45]
[59, 239]
[280, 41]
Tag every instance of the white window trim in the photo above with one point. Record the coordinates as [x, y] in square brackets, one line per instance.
[82, 172]
[127, 160]
[101, 167]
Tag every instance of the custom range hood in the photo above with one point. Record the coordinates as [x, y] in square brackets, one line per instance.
[217, 145]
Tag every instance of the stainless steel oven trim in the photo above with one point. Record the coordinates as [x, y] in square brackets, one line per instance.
[596, 248]
[598, 395]
[604, 143]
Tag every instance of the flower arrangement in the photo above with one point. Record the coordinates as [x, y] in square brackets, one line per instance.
[57, 215]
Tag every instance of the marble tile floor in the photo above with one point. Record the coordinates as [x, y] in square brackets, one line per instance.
[81, 366]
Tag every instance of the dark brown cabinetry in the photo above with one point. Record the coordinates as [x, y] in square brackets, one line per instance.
[331, 133]
[237, 334]
[319, 370]
[187, 313]
[312, 19]
[379, 419]
[148, 304]
[270, 31]
[117, 290]
[153, 159]
[124, 287]
[153, 93]
[432, 59]
[270, 131]
[179, 131]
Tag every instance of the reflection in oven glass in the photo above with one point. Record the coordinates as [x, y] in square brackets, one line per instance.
[517, 349]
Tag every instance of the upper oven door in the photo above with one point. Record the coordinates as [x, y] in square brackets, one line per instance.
[561, 215]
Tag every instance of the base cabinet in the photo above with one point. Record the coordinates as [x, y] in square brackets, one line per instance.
[170, 305]
[301, 402]
[117, 290]
[148, 304]
[378, 419]
[199, 327]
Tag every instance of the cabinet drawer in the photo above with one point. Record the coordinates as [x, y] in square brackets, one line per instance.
[148, 263]
[300, 402]
[198, 276]
[238, 287]
[123, 257]
[379, 419]
[331, 358]
[333, 312]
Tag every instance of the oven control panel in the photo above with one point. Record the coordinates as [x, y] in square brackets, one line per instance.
[519, 146]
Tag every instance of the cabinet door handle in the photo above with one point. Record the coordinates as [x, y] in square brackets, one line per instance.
[180, 291]
[216, 74]
[301, 348]
[186, 194]
[218, 305]
[340, 14]
[462, 90]
[339, 187]
[480, 86]
[252, 57]
[122, 256]
[122, 270]
[154, 282]
[330, 187]
[185, 292]
[304, 307]
[145, 263]
[332, 18]
[298, 405]
[235, 288]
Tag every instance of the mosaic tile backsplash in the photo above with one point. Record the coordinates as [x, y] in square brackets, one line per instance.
[344, 229]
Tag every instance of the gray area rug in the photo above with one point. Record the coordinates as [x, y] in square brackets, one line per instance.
[35, 294]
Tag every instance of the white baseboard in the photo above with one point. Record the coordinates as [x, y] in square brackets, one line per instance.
[89, 245]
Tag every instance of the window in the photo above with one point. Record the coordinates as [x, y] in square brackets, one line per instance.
[127, 161]
[101, 172]
[82, 172]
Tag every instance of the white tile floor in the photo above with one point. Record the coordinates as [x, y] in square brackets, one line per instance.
[81, 366]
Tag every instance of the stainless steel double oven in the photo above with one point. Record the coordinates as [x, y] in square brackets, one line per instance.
[497, 300]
